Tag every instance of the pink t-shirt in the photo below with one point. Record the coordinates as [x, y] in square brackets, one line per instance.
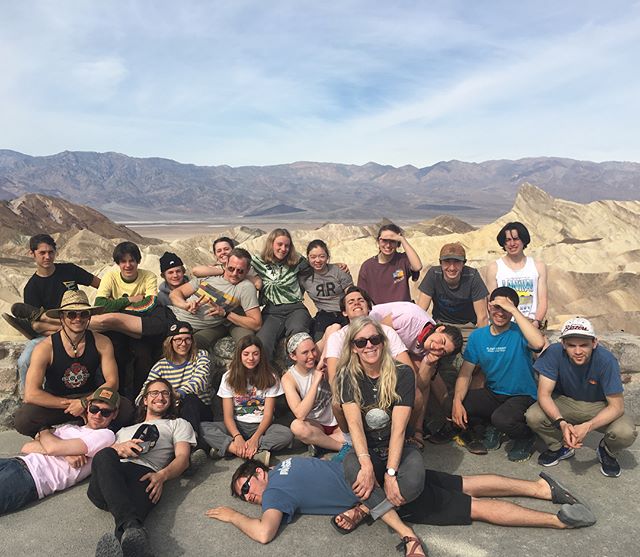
[53, 473]
[408, 321]
[335, 342]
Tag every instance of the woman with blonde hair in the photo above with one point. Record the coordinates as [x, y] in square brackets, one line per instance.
[278, 266]
[377, 394]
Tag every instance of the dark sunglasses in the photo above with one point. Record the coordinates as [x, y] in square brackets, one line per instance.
[246, 486]
[236, 270]
[104, 412]
[84, 314]
[362, 342]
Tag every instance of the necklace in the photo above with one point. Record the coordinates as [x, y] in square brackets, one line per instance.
[74, 345]
[373, 383]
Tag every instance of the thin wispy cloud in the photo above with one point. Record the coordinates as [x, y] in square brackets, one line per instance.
[250, 82]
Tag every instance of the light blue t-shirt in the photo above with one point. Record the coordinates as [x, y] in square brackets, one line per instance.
[307, 486]
[591, 382]
[505, 360]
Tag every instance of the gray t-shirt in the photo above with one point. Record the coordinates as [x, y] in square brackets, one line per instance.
[242, 296]
[454, 305]
[163, 452]
[325, 290]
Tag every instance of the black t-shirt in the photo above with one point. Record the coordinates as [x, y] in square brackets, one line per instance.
[376, 421]
[46, 292]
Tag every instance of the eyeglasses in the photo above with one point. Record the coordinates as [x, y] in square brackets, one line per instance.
[156, 394]
[84, 314]
[185, 340]
[362, 342]
[104, 412]
[236, 270]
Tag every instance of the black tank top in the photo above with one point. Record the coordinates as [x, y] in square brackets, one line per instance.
[73, 376]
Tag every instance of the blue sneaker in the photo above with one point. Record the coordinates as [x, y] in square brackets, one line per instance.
[608, 464]
[339, 457]
[521, 449]
[551, 458]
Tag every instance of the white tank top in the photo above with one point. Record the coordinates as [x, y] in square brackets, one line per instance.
[321, 411]
[524, 282]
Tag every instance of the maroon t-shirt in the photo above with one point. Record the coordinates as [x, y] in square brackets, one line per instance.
[387, 282]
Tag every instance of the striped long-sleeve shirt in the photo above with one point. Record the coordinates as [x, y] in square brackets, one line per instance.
[188, 378]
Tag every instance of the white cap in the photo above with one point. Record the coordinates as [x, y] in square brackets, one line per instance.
[577, 327]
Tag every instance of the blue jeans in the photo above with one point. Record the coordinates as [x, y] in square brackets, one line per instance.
[17, 487]
[25, 359]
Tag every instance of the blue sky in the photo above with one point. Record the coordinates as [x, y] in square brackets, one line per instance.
[251, 82]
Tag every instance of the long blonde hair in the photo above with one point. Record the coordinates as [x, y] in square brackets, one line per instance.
[349, 370]
[267, 255]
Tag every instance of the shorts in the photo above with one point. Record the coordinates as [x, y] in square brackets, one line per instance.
[329, 429]
[442, 503]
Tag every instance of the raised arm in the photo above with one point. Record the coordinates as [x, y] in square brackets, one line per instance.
[412, 255]
[535, 338]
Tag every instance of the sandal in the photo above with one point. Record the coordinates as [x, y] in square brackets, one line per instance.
[411, 550]
[353, 522]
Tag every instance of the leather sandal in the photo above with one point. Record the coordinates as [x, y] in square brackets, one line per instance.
[411, 550]
[358, 518]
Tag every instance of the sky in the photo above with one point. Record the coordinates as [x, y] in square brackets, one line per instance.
[258, 83]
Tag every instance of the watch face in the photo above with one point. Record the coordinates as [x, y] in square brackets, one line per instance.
[391, 472]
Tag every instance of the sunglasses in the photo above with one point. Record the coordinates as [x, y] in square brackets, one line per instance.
[362, 342]
[236, 270]
[246, 486]
[104, 412]
[84, 314]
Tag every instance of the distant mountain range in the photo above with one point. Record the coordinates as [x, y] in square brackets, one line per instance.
[134, 189]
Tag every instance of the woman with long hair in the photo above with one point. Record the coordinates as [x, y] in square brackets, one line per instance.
[283, 314]
[377, 395]
[325, 283]
[248, 392]
[188, 371]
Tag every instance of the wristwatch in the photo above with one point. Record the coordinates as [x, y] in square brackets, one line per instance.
[557, 422]
[391, 472]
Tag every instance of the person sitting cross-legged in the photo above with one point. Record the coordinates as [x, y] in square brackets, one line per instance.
[580, 390]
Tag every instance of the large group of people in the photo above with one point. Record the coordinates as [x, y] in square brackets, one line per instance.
[368, 380]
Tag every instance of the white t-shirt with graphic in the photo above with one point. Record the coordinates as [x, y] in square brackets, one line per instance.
[248, 406]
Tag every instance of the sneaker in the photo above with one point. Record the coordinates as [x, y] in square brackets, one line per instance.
[26, 311]
[108, 546]
[470, 442]
[262, 457]
[551, 458]
[314, 451]
[608, 464]
[576, 516]
[339, 457]
[521, 450]
[493, 438]
[135, 543]
[444, 435]
[198, 458]
[215, 454]
[20, 324]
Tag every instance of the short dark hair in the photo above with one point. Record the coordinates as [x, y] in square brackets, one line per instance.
[246, 470]
[350, 290]
[38, 239]
[507, 292]
[520, 228]
[454, 334]
[224, 239]
[241, 253]
[126, 248]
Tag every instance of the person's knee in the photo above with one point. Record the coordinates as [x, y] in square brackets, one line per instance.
[23, 423]
[103, 458]
[351, 467]
[299, 428]
[535, 416]
[623, 432]
[411, 477]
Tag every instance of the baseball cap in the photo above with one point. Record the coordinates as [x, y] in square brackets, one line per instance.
[577, 327]
[453, 251]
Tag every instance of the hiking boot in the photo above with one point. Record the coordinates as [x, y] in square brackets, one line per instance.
[263, 457]
[493, 438]
[576, 516]
[521, 450]
[22, 325]
[26, 311]
[339, 456]
[608, 464]
[551, 458]
[471, 442]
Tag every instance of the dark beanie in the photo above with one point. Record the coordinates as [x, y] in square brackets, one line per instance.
[169, 261]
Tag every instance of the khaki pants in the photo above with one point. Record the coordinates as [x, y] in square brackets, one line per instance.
[618, 435]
